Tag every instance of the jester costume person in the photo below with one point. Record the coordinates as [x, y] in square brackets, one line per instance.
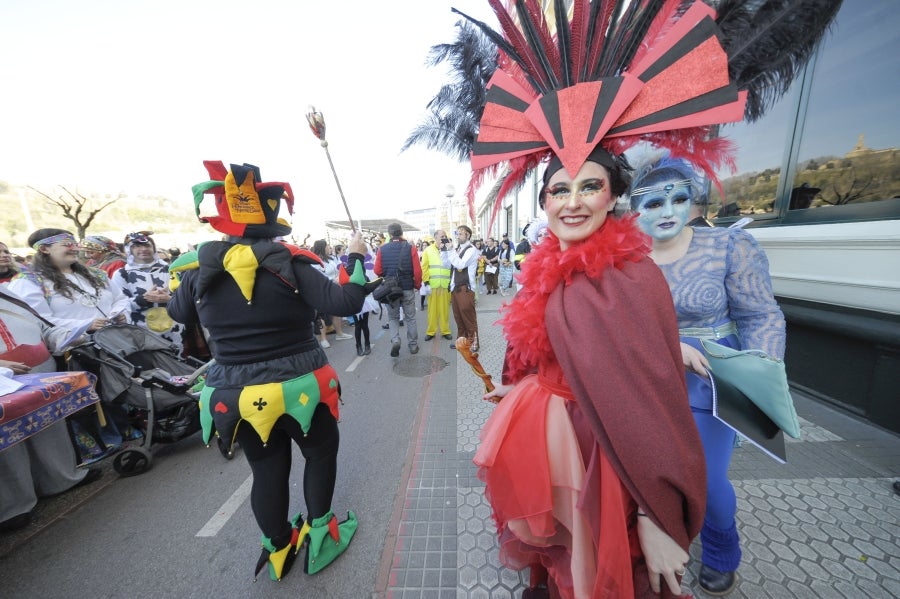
[271, 383]
[595, 438]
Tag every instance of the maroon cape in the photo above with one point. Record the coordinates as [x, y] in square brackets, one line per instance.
[605, 311]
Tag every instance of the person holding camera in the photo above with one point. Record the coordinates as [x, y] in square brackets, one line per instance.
[464, 265]
[399, 258]
[437, 276]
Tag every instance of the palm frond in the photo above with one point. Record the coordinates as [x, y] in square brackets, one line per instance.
[451, 124]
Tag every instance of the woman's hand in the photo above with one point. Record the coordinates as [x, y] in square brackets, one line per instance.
[97, 324]
[16, 367]
[357, 245]
[664, 557]
[693, 359]
[498, 393]
[158, 295]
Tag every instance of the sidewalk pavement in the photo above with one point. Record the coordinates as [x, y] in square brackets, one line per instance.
[825, 525]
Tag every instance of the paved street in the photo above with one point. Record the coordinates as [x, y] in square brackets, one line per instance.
[824, 525]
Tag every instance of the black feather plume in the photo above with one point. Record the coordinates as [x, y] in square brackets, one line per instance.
[564, 41]
[610, 42]
[533, 36]
[451, 125]
[769, 42]
[628, 34]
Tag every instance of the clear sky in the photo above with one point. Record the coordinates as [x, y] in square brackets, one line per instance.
[112, 95]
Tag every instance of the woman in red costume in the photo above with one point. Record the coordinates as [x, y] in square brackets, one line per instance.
[591, 462]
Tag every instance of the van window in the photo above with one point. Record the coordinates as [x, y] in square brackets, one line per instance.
[753, 189]
[848, 146]
[839, 137]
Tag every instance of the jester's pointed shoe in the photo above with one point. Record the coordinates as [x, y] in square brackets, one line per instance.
[280, 561]
[328, 539]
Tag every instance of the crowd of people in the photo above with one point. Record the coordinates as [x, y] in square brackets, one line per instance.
[90, 284]
[93, 283]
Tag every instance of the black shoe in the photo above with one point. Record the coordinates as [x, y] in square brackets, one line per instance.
[717, 583]
[452, 346]
[414, 349]
[386, 326]
[16, 522]
[536, 592]
[401, 323]
[897, 487]
[429, 337]
[93, 475]
[395, 350]
[359, 350]
[448, 337]
[367, 350]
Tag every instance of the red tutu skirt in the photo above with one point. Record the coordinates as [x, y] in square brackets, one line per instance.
[557, 501]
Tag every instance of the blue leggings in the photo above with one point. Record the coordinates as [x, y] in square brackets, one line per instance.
[719, 537]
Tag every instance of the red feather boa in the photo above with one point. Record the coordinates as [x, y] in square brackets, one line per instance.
[547, 266]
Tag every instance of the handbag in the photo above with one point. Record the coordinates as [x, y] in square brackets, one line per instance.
[758, 376]
[390, 291]
[738, 413]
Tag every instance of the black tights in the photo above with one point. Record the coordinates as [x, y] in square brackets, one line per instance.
[271, 466]
[361, 326]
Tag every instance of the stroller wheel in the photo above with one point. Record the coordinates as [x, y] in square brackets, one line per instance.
[226, 452]
[132, 461]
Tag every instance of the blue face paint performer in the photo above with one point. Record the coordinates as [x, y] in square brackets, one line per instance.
[720, 285]
[271, 383]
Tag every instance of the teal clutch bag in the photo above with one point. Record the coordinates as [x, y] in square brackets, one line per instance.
[758, 376]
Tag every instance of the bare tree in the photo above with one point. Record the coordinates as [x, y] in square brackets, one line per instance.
[77, 208]
[844, 195]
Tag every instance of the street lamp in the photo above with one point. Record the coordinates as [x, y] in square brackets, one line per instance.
[449, 193]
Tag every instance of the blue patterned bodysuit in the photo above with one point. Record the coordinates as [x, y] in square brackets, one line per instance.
[723, 278]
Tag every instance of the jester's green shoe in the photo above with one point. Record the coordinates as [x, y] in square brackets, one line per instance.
[327, 539]
[281, 560]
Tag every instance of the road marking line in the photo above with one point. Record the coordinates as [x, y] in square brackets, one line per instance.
[355, 363]
[224, 513]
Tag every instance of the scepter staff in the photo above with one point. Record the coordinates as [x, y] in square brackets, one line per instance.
[464, 346]
[317, 125]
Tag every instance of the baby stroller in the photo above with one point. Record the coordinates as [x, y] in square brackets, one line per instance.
[145, 374]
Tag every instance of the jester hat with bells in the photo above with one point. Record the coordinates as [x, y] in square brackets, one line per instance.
[246, 206]
[612, 73]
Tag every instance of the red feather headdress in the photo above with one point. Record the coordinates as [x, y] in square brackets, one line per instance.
[676, 78]
[616, 73]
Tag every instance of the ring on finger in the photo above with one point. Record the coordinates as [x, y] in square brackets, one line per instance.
[680, 571]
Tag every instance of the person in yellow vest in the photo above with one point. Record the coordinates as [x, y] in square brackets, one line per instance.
[436, 276]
